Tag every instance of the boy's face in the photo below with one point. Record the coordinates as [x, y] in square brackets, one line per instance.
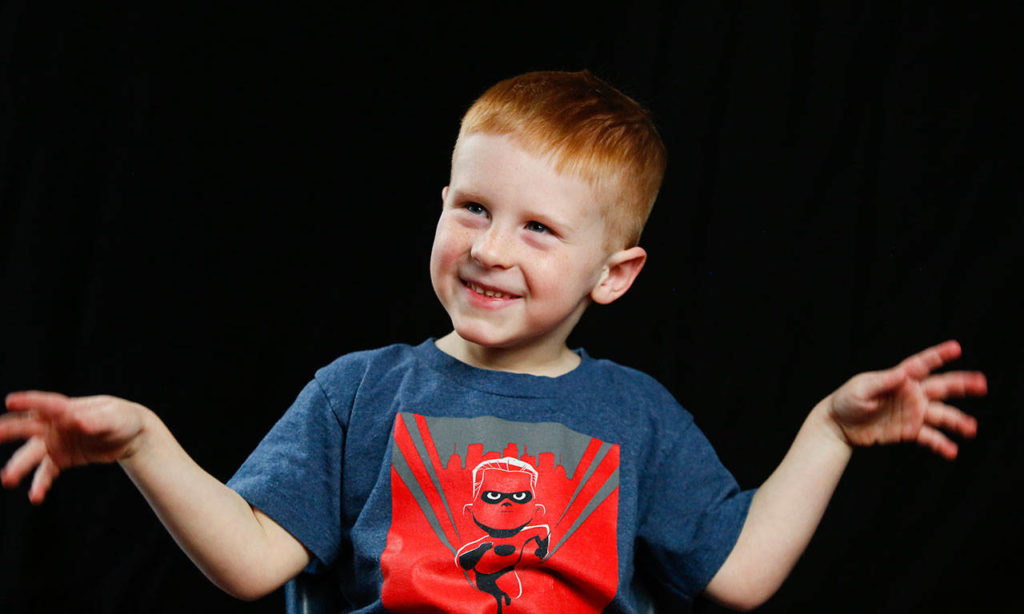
[518, 248]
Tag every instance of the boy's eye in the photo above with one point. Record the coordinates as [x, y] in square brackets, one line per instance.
[537, 227]
[476, 208]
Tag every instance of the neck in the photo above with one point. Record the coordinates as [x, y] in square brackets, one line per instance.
[549, 362]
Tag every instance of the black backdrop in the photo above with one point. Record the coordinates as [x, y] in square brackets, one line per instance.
[199, 206]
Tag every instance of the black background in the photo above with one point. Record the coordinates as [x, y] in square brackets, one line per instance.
[199, 206]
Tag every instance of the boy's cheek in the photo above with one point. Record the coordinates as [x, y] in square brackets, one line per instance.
[441, 256]
[443, 268]
[451, 242]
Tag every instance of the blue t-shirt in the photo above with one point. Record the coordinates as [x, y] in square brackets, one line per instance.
[420, 483]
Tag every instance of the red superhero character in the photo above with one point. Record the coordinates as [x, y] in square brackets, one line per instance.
[503, 507]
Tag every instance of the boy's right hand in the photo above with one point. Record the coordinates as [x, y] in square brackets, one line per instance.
[63, 432]
[238, 547]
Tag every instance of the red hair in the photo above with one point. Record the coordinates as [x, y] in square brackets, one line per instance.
[588, 129]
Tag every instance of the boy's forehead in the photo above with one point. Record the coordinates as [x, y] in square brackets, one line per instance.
[494, 157]
[498, 166]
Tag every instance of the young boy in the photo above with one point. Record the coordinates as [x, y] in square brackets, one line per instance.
[494, 469]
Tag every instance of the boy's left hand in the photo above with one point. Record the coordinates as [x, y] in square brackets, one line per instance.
[905, 403]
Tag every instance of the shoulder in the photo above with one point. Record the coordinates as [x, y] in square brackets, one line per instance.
[362, 362]
[627, 380]
[341, 379]
[640, 396]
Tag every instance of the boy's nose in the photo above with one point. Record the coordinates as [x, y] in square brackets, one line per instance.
[492, 249]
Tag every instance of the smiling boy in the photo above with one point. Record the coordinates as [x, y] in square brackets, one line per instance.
[518, 256]
[355, 491]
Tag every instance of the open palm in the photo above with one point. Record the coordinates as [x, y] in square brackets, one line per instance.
[907, 403]
[62, 432]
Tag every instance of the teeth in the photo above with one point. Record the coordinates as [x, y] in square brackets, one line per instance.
[487, 293]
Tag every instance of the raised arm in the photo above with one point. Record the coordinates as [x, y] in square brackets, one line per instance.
[237, 547]
[904, 403]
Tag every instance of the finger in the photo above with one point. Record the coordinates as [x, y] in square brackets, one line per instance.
[951, 420]
[18, 426]
[956, 384]
[921, 364]
[47, 403]
[874, 384]
[99, 414]
[46, 472]
[937, 442]
[28, 456]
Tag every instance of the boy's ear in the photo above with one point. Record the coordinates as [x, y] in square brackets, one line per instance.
[619, 272]
[444, 194]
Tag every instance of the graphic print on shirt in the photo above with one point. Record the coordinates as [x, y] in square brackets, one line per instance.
[490, 515]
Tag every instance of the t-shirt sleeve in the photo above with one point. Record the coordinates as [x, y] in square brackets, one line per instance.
[695, 511]
[294, 474]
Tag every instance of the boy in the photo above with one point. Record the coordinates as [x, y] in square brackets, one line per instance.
[494, 469]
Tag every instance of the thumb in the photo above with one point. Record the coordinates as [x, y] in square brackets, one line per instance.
[876, 383]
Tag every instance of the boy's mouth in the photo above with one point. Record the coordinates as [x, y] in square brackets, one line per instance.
[488, 292]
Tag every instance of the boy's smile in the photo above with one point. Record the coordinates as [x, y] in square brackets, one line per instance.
[488, 294]
[518, 251]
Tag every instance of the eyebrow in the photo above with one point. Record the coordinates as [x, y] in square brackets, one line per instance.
[468, 195]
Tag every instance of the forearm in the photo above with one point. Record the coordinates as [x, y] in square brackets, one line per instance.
[238, 549]
[784, 514]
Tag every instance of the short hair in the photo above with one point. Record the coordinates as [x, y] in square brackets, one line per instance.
[589, 130]
[507, 463]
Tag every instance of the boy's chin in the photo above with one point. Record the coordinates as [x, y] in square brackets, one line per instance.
[477, 340]
[489, 338]
[469, 341]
